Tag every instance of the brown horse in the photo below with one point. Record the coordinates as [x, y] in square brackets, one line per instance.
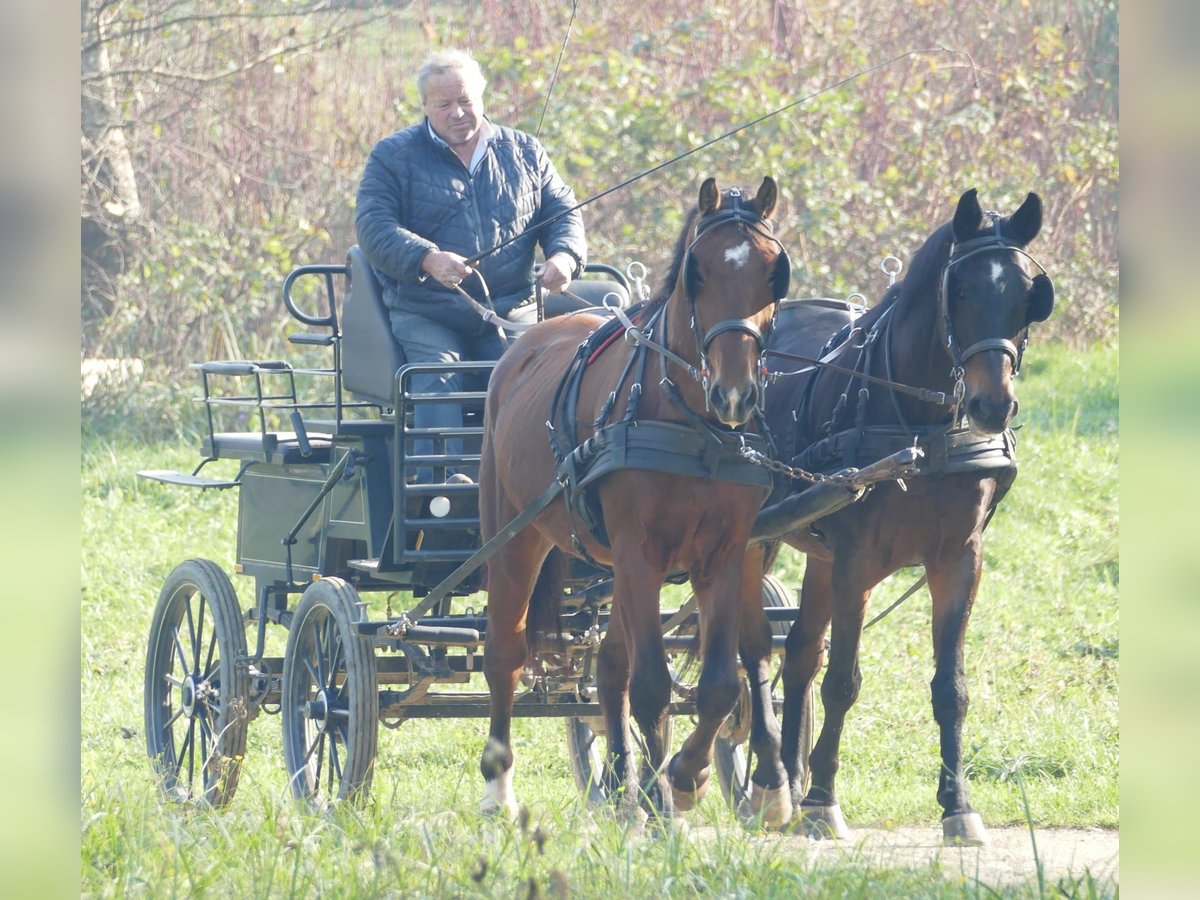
[656, 485]
[955, 326]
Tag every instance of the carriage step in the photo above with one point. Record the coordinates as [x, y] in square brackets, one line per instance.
[166, 476]
[364, 565]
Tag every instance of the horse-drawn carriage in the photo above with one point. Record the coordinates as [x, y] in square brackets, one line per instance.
[331, 514]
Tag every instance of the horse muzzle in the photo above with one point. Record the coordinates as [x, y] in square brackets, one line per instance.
[734, 406]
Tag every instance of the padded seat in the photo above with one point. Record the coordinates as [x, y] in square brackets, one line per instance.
[370, 355]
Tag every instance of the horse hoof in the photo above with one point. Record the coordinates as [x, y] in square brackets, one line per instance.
[964, 830]
[772, 807]
[820, 822]
[685, 801]
[492, 808]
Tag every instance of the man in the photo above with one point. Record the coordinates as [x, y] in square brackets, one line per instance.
[441, 192]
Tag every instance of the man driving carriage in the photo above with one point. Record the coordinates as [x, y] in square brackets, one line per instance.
[440, 193]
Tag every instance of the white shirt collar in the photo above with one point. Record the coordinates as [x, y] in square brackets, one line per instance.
[486, 134]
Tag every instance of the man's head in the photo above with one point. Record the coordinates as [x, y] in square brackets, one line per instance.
[451, 86]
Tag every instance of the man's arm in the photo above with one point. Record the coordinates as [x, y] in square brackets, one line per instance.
[389, 246]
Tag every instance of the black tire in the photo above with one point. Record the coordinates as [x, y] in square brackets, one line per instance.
[330, 699]
[732, 755]
[196, 690]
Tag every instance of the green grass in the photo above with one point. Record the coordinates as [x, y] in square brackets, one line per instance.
[1042, 660]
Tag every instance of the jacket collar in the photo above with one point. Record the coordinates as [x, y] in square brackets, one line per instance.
[487, 133]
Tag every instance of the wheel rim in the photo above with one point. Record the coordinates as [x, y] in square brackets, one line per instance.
[190, 735]
[330, 700]
[321, 705]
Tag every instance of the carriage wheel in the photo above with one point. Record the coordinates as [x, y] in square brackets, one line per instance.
[733, 757]
[330, 699]
[196, 711]
[586, 748]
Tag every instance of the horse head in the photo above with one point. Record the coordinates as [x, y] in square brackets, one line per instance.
[989, 296]
[734, 273]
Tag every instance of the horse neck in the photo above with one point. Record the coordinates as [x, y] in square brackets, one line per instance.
[918, 354]
[680, 339]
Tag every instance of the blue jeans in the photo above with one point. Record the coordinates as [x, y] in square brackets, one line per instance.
[426, 341]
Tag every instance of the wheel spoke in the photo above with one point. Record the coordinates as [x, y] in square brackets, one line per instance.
[320, 745]
[320, 639]
[314, 676]
[335, 764]
[171, 721]
[336, 660]
[191, 622]
[212, 650]
[179, 649]
[200, 630]
[205, 739]
[172, 681]
[311, 747]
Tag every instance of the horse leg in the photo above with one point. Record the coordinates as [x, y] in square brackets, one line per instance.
[510, 580]
[719, 685]
[636, 586]
[612, 691]
[801, 662]
[821, 814]
[770, 797]
[953, 582]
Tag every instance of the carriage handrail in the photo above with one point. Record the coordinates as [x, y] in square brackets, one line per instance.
[328, 270]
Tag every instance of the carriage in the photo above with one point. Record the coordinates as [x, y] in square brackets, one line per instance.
[331, 514]
[329, 517]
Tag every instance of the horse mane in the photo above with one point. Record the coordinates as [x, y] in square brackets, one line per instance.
[925, 268]
[681, 245]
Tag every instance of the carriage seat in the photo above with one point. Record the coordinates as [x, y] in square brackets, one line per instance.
[371, 355]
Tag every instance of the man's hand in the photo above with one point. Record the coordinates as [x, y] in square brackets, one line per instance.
[556, 273]
[446, 268]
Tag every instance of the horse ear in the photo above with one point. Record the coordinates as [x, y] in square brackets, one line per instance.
[710, 197]
[1026, 222]
[968, 218]
[768, 196]
[1041, 299]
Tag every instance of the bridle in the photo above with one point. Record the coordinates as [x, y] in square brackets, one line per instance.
[959, 253]
[745, 215]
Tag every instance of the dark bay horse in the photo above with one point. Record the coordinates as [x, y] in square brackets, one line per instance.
[955, 326]
[679, 499]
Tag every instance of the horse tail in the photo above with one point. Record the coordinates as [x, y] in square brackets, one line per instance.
[542, 622]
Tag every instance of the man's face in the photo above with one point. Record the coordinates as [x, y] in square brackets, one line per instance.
[455, 112]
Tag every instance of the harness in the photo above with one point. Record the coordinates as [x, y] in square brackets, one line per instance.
[698, 447]
[948, 446]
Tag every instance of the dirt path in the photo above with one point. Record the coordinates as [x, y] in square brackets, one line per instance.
[1009, 859]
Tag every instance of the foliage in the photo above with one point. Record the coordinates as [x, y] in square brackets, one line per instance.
[248, 129]
[1042, 658]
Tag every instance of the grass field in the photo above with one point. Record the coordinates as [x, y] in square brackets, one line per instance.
[1042, 662]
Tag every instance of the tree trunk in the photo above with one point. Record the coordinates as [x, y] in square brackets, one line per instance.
[109, 201]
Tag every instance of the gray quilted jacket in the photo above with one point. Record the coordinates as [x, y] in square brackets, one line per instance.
[416, 196]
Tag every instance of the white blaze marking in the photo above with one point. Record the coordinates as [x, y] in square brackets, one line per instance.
[997, 271]
[737, 256]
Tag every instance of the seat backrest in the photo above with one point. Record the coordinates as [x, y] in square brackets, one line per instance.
[370, 355]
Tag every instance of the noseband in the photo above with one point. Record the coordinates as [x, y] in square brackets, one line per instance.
[959, 253]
